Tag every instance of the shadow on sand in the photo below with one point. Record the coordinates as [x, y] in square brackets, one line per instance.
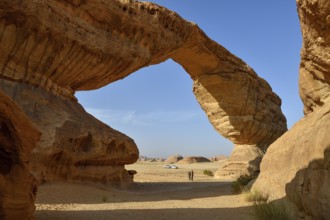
[140, 192]
[77, 202]
[241, 213]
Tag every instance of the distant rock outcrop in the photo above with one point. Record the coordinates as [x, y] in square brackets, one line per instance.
[297, 165]
[18, 137]
[218, 158]
[150, 159]
[173, 159]
[188, 160]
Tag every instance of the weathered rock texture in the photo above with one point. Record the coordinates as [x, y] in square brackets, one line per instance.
[241, 107]
[74, 146]
[244, 160]
[297, 165]
[18, 137]
[314, 78]
[50, 49]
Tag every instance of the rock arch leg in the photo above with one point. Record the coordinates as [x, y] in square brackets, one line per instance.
[17, 138]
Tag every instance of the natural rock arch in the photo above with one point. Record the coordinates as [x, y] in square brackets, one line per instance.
[64, 46]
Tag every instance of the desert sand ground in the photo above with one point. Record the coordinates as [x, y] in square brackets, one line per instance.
[158, 193]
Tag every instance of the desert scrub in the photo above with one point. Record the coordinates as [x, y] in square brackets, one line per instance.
[240, 185]
[208, 173]
[256, 197]
[270, 211]
[263, 209]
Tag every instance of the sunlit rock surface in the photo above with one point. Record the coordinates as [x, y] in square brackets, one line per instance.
[297, 165]
[51, 49]
[74, 146]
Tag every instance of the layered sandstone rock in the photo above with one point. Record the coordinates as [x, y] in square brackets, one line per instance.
[74, 146]
[244, 110]
[244, 160]
[63, 46]
[297, 164]
[18, 137]
[314, 78]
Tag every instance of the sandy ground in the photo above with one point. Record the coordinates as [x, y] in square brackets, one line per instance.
[159, 193]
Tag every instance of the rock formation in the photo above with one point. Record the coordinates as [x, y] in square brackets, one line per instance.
[50, 49]
[18, 137]
[314, 78]
[188, 160]
[74, 146]
[297, 164]
[66, 46]
[218, 158]
[173, 159]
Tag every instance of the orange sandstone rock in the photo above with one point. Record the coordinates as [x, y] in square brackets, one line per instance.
[18, 137]
[63, 46]
[296, 165]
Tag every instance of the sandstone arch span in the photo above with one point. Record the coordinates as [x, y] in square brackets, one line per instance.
[50, 49]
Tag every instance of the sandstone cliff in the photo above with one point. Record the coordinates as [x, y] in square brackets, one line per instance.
[63, 46]
[314, 78]
[297, 164]
[18, 137]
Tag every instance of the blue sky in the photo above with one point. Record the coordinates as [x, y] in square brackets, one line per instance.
[156, 107]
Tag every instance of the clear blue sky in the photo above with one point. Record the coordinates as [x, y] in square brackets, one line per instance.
[156, 107]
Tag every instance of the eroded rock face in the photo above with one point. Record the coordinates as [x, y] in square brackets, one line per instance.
[244, 160]
[18, 137]
[244, 110]
[63, 46]
[74, 146]
[314, 78]
[297, 164]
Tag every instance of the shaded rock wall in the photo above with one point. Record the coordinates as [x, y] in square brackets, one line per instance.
[297, 164]
[18, 137]
[74, 146]
[63, 46]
